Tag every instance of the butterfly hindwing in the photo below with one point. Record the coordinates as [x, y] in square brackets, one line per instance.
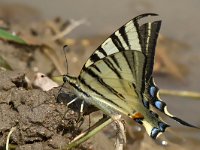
[154, 99]
[121, 94]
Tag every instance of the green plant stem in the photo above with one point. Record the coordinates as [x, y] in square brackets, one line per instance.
[193, 95]
[89, 133]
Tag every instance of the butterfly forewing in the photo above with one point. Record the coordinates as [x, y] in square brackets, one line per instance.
[125, 38]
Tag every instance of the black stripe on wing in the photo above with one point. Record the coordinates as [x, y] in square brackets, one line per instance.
[90, 72]
[149, 33]
[123, 33]
[97, 68]
[130, 64]
[96, 92]
[116, 41]
[116, 62]
[94, 58]
[100, 49]
[112, 67]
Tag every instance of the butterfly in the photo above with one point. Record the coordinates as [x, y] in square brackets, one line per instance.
[117, 77]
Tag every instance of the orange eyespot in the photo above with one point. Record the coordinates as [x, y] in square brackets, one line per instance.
[137, 115]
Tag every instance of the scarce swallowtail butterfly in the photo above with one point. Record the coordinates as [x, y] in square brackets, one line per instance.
[117, 78]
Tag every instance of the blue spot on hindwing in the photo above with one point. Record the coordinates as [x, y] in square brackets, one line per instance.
[146, 104]
[152, 91]
[154, 132]
[159, 105]
[162, 126]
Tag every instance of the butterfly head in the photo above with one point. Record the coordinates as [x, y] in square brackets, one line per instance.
[69, 79]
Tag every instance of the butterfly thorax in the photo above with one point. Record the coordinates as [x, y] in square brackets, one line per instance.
[83, 93]
[73, 82]
[69, 79]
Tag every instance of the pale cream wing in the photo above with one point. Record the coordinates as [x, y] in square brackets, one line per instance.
[123, 99]
[128, 37]
[127, 65]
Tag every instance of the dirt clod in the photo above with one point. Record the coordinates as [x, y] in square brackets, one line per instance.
[41, 122]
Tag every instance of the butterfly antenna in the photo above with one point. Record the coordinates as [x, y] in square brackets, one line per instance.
[65, 49]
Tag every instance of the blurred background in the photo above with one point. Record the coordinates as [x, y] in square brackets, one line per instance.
[179, 59]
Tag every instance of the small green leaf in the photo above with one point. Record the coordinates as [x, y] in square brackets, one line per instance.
[8, 36]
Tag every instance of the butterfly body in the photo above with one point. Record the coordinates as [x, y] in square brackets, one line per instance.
[117, 78]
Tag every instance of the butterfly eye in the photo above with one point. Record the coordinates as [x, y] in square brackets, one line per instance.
[64, 79]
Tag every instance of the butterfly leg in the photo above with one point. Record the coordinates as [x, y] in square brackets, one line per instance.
[80, 118]
[82, 106]
[72, 101]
